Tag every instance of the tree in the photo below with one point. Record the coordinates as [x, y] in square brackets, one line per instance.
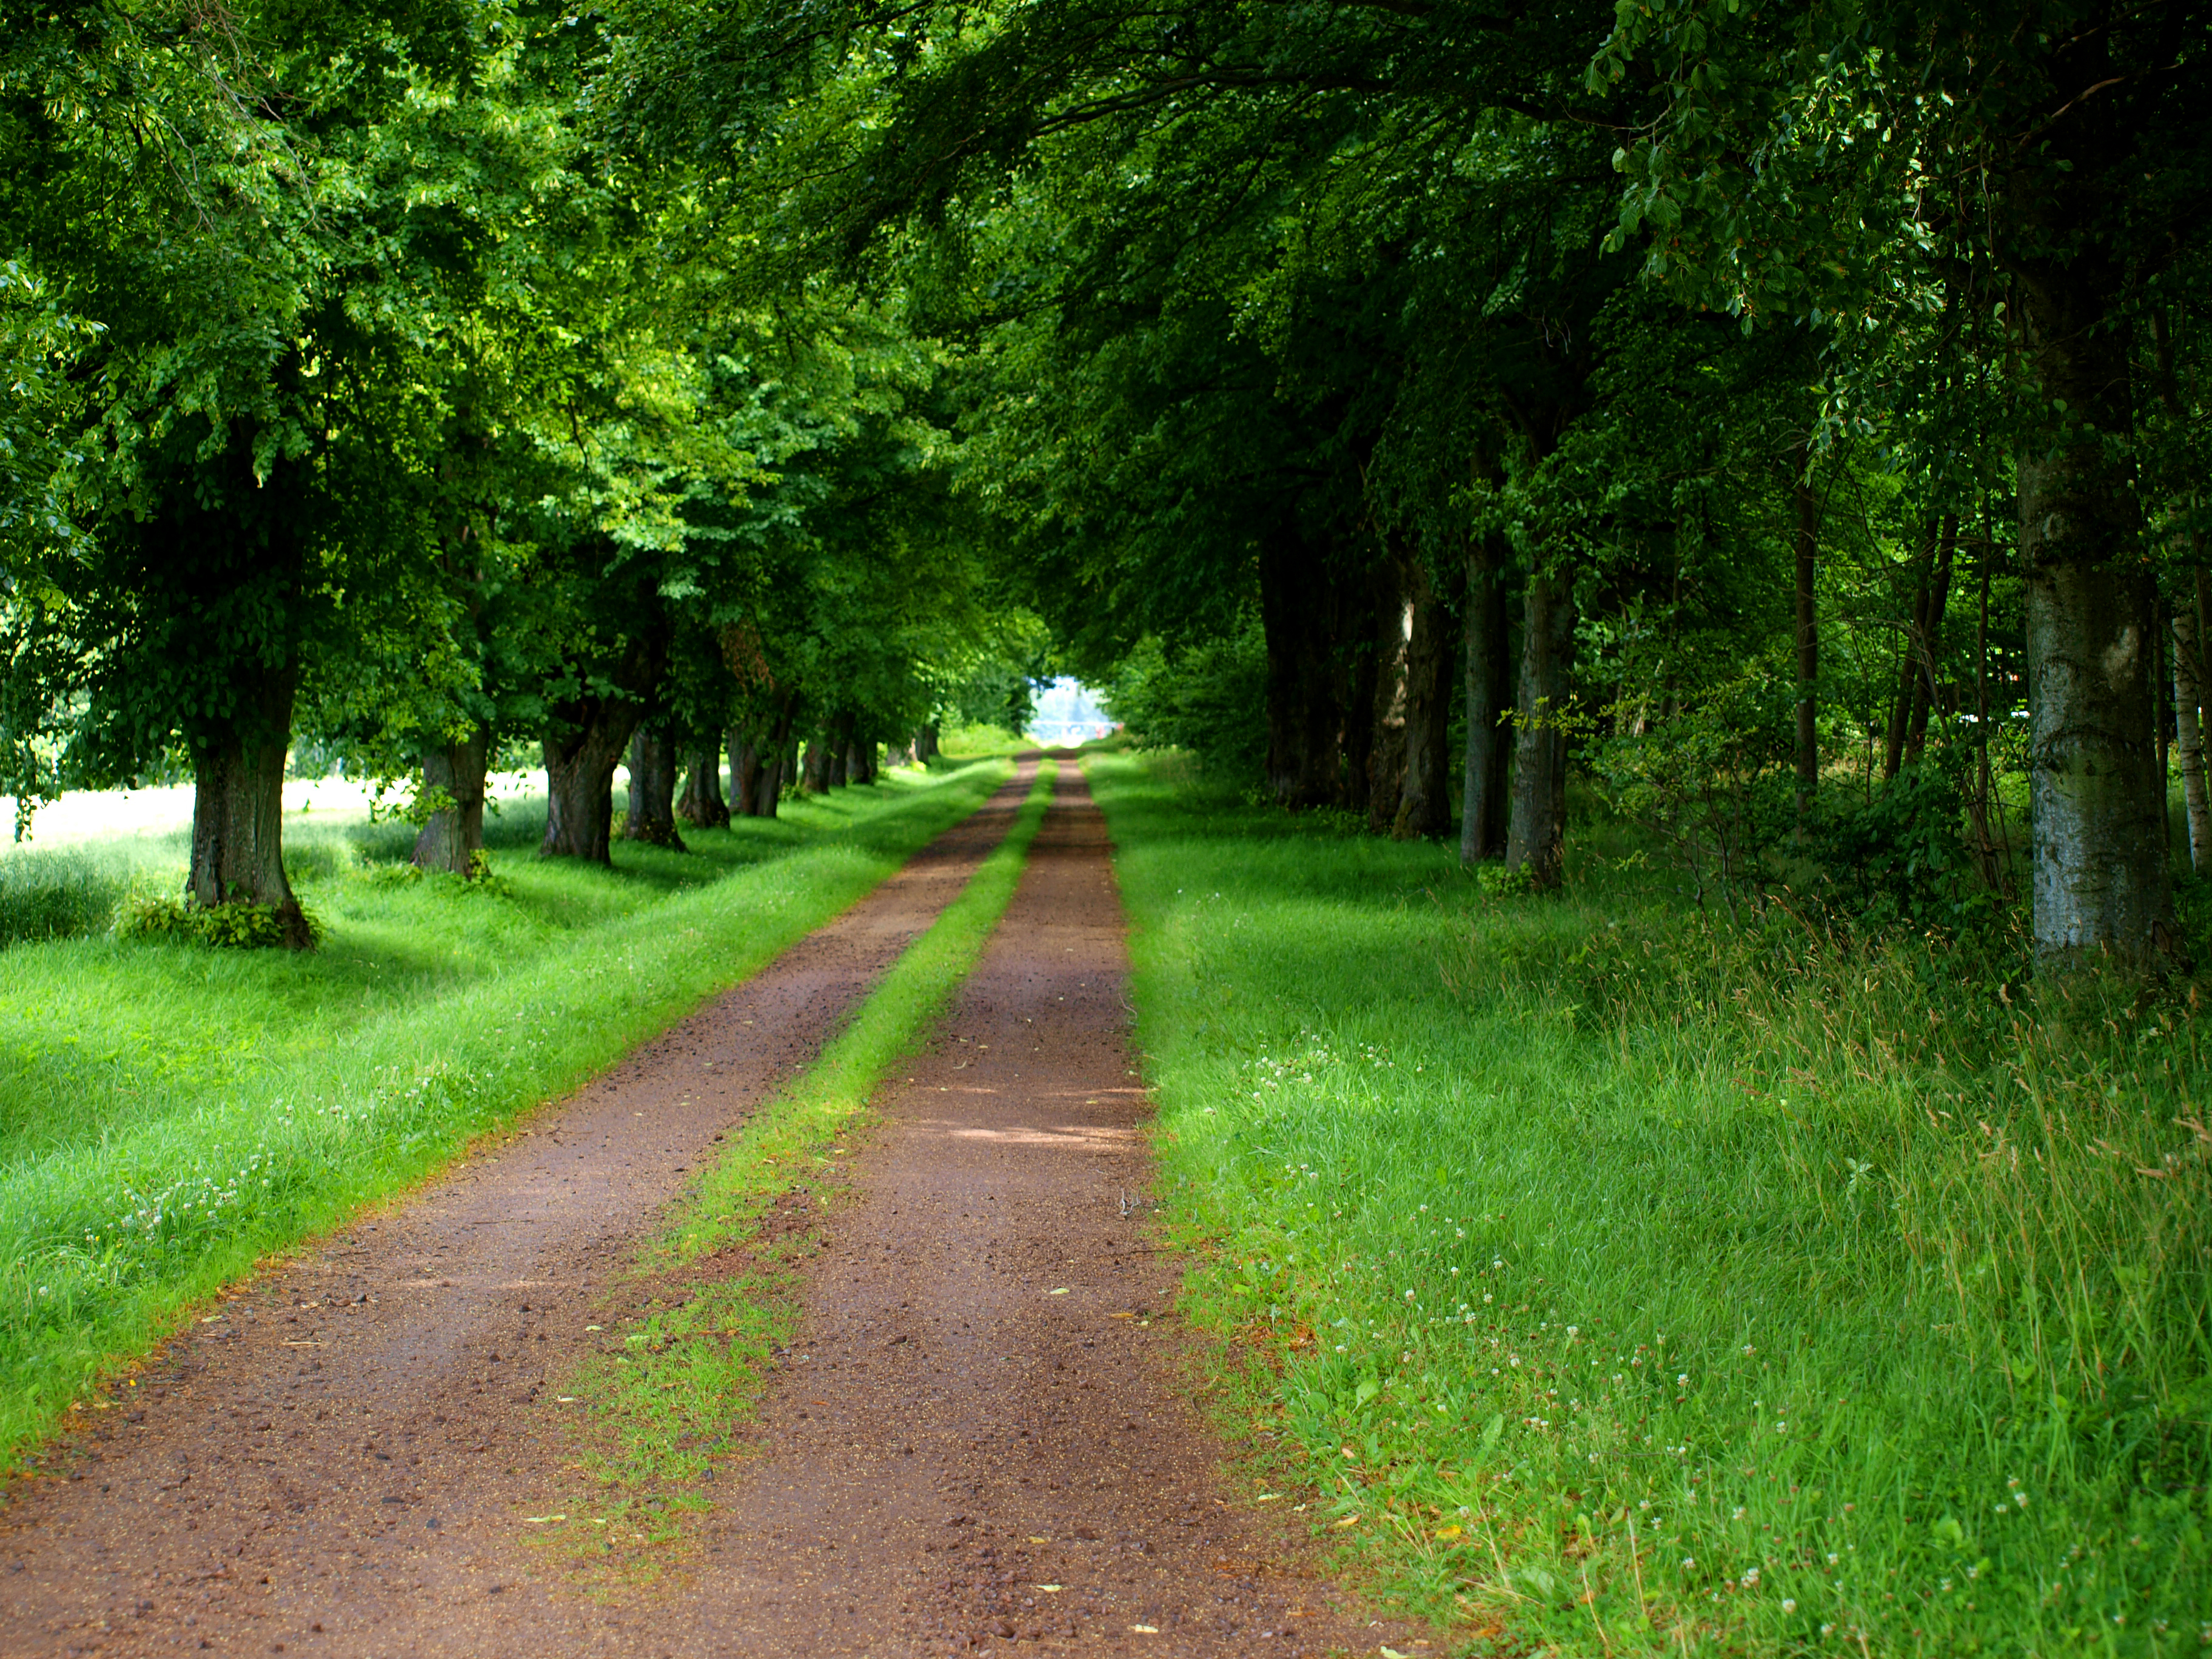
[1809, 163]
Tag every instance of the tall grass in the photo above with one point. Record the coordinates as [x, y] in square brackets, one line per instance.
[168, 1113]
[1630, 1282]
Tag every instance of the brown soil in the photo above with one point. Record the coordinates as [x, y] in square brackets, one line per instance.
[982, 1401]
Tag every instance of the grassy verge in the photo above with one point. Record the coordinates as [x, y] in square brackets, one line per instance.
[1617, 1282]
[690, 1338]
[168, 1113]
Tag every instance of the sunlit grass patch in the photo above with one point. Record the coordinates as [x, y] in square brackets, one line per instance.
[1622, 1281]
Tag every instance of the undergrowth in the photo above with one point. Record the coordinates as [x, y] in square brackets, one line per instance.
[656, 1415]
[168, 1114]
[1614, 1279]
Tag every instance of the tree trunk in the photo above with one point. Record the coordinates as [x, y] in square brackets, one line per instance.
[1908, 664]
[1535, 837]
[1304, 612]
[860, 761]
[925, 745]
[1424, 801]
[2098, 802]
[768, 788]
[652, 817]
[1386, 740]
[815, 774]
[1928, 654]
[747, 762]
[702, 802]
[238, 809]
[452, 837]
[1809, 640]
[1488, 682]
[2189, 730]
[840, 744]
[581, 757]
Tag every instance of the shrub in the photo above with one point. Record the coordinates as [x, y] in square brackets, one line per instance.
[1209, 698]
[239, 925]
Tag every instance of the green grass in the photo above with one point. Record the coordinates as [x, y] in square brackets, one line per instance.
[170, 1113]
[712, 1296]
[1613, 1281]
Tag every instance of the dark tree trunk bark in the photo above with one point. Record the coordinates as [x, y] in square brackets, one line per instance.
[1929, 651]
[238, 809]
[815, 777]
[1808, 641]
[581, 757]
[452, 837]
[1535, 837]
[1487, 685]
[1386, 698]
[768, 787]
[1310, 614]
[860, 761]
[839, 741]
[1908, 663]
[925, 745]
[748, 760]
[1370, 748]
[701, 801]
[1489, 689]
[780, 765]
[1425, 800]
[652, 817]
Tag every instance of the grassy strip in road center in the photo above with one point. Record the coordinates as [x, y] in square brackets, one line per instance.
[691, 1339]
[435, 1012]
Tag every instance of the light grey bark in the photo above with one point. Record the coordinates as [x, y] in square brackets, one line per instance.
[2098, 802]
[2189, 731]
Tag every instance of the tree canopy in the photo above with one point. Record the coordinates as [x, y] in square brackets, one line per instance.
[1782, 423]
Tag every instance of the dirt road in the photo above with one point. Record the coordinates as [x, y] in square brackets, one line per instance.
[977, 1441]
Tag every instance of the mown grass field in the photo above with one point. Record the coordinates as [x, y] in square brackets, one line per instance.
[1609, 1280]
[169, 1113]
